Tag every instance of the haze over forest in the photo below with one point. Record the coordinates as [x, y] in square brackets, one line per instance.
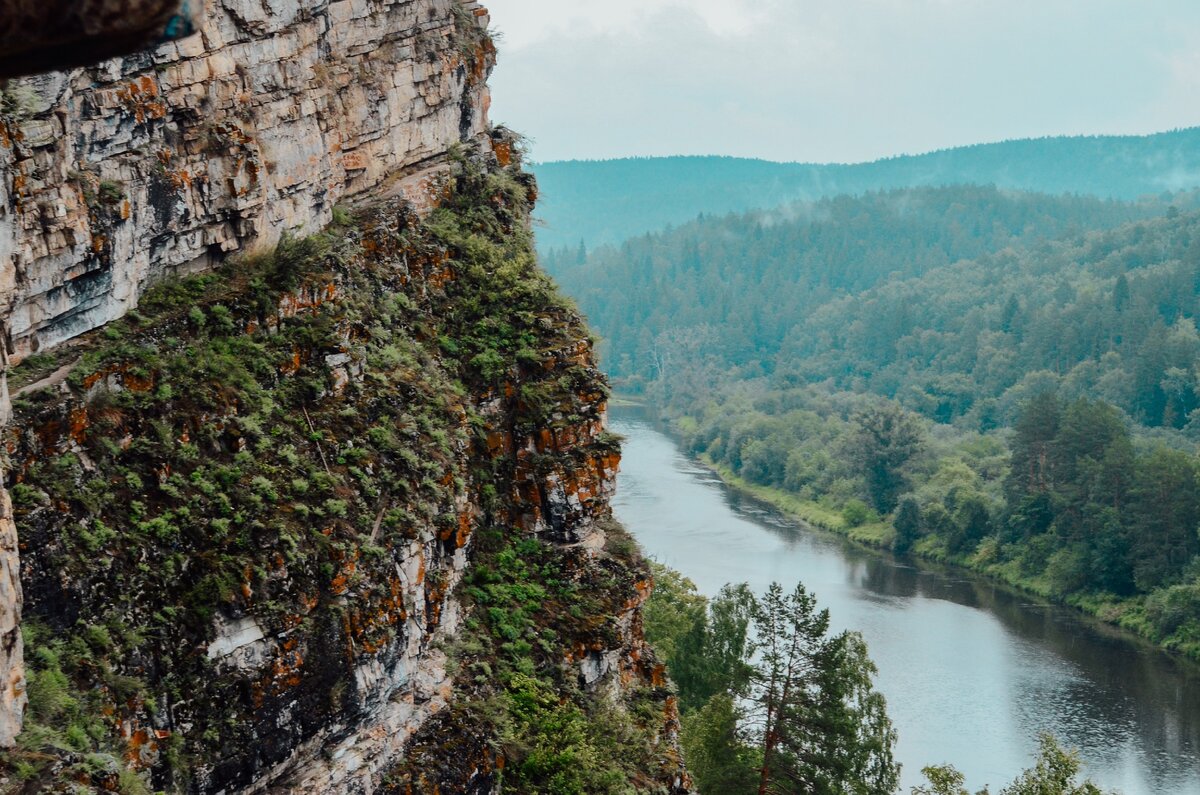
[609, 201]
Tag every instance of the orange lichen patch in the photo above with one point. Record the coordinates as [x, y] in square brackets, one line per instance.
[181, 179]
[91, 380]
[98, 243]
[245, 176]
[341, 580]
[485, 54]
[435, 598]
[503, 150]
[80, 423]
[136, 383]
[248, 583]
[438, 272]
[141, 746]
[371, 626]
[125, 377]
[671, 709]
[18, 190]
[141, 98]
[499, 443]
[233, 134]
[309, 297]
[126, 210]
[643, 589]
[293, 364]
[286, 673]
[465, 521]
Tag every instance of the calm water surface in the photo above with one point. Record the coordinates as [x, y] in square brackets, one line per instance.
[971, 672]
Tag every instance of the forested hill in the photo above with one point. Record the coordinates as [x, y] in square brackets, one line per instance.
[1006, 381]
[610, 201]
[837, 283]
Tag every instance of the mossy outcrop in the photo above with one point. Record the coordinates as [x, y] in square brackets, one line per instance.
[334, 518]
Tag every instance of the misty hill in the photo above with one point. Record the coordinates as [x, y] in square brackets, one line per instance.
[610, 201]
[940, 297]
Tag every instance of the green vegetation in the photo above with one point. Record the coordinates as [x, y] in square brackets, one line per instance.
[66, 719]
[527, 599]
[271, 440]
[215, 474]
[959, 374]
[772, 704]
[1055, 772]
[1070, 505]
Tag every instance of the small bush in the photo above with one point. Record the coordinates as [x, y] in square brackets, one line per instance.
[856, 514]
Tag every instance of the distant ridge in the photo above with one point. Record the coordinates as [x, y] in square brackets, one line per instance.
[608, 201]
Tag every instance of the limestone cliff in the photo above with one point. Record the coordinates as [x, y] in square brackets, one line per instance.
[169, 161]
[301, 511]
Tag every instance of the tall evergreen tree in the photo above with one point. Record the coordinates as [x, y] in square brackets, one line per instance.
[908, 526]
[825, 730]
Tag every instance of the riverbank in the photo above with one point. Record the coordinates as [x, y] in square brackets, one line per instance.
[1128, 615]
[970, 668]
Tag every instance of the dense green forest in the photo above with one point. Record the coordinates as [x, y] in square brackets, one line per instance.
[892, 292]
[1005, 381]
[607, 202]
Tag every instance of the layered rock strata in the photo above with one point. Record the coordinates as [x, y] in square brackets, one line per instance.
[168, 161]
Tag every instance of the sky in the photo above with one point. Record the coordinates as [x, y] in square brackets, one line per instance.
[837, 80]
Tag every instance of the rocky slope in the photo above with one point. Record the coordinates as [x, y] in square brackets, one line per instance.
[321, 513]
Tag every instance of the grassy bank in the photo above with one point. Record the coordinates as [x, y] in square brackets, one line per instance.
[1128, 614]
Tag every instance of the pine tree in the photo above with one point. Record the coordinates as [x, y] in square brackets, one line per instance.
[1122, 297]
[824, 729]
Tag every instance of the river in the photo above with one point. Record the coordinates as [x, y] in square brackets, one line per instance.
[972, 672]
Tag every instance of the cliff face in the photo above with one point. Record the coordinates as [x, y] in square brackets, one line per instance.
[330, 515]
[169, 161]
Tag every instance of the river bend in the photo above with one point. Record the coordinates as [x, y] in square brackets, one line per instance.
[971, 671]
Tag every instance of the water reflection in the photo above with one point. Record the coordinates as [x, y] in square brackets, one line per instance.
[972, 671]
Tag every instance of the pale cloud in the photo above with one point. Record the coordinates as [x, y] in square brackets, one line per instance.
[838, 80]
